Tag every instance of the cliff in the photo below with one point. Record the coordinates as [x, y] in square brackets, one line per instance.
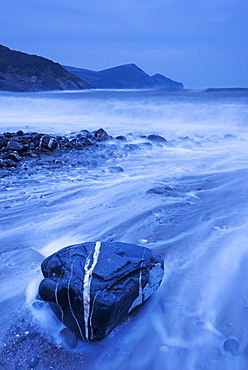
[24, 72]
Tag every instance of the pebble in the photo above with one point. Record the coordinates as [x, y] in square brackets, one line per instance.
[33, 361]
[231, 345]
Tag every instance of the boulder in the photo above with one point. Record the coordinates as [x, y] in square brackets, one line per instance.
[91, 287]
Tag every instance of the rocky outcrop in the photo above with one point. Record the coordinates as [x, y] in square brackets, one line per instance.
[127, 76]
[23, 72]
[91, 287]
[18, 145]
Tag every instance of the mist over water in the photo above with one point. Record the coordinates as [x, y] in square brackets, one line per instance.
[186, 200]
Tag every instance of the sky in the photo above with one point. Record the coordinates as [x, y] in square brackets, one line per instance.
[201, 43]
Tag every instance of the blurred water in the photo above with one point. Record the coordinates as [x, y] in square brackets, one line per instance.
[200, 227]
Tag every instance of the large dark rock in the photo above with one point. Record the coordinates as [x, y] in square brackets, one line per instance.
[91, 287]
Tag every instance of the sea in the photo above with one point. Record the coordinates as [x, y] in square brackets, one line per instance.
[186, 199]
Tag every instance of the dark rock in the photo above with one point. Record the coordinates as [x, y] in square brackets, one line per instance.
[7, 163]
[120, 137]
[84, 132]
[3, 143]
[116, 169]
[131, 147]
[45, 141]
[36, 139]
[231, 345]
[14, 145]
[25, 148]
[100, 135]
[157, 138]
[48, 142]
[8, 135]
[85, 142]
[229, 137]
[163, 190]
[91, 287]
[33, 361]
[146, 145]
[68, 337]
[15, 157]
[20, 133]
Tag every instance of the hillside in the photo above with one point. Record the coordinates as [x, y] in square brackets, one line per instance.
[127, 76]
[24, 72]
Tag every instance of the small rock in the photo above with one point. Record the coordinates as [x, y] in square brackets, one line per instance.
[163, 190]
[84, 141]
[84, 132]
[3, 143]
[157, 138]
[121, 137]
[20, 133]
[116, 169]
[48, 142]
[15, 157]
[229, 137]
[146, 145]
[33, 362]
[68, 337]
[38, 304]
[131, 147]
[14, 145]
[7, 163]
[100, 135]
[231, 345]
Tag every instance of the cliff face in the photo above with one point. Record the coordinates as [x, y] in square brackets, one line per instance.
[23, 72]
[127, 76]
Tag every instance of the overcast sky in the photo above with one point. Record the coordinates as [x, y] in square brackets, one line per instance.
[201, 43]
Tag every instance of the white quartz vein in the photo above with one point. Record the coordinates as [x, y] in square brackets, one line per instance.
[86, 288]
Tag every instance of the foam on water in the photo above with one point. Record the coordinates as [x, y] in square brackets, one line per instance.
[198, 222]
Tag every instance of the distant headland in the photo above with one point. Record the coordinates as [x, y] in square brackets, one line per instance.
[21, 72]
